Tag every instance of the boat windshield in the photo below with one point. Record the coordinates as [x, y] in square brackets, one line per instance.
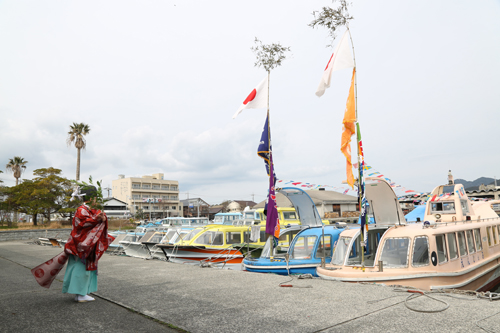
[341, 250]
[219, 219]
[303, 247]
[170, 235]
[191, 235]
[283, 244]
[211, 238]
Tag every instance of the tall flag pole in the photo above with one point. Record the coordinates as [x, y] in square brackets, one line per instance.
[342, 58]
[361, 181]
[265, 151]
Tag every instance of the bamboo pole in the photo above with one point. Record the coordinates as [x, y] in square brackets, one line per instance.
[362, 234]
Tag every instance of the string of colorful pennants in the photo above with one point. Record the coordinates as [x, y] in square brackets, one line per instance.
[369, 172]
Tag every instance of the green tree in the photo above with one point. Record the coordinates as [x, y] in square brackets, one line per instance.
[76, 135]
[139, 214]
[16, 165]
[46, 194]
[55, 190]
[25, 198]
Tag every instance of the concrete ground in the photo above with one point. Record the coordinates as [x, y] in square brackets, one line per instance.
[137, 295]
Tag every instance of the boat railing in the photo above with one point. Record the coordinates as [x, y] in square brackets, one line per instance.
[437, 223]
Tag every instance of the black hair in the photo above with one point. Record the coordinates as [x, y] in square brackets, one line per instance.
[89, 192]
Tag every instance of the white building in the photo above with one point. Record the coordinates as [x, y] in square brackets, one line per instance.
[155, 196]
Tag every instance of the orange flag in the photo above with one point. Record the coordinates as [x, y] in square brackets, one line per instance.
[348, 130]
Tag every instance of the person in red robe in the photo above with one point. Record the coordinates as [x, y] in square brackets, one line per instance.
[88, 241]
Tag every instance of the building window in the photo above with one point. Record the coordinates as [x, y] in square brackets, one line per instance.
[146, 186]
[164, 197]
[136, 185]
[173, 197]
[145, 196]
[136, 196]
[174, 207]
[156, 197]
[156, 187]
[173, 187]
[145, 207]
[156, 208]
[164, 187]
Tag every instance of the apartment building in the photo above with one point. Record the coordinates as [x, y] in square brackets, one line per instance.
[156, 196]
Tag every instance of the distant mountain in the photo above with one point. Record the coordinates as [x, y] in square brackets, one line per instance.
[474, 185]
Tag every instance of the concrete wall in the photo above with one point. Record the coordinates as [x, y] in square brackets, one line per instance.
[10, 235]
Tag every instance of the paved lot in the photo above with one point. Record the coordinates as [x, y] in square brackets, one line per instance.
[137, 295]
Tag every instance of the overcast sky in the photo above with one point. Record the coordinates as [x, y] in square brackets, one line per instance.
[159, 81]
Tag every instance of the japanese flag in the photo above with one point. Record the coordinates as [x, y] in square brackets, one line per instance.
[257, 98]
[340, 59]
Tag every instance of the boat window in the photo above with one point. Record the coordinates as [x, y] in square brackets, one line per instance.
[452, 245]
[170, 234]
[436, 207]
[420, 251]
[289, 216]
[448, 207]
[263, 236]
[233, 237]
[248, 215]
[327, 248]
[465, 207]
[494, 233]
[477, 236]
[448, 188]
[395, 252]
[372, 243]
[156, 238]
[355, 254]
[210, 238]
[218, 219]
[441, 249]
[340, 251]
[303, 247]
[470, 241]
[488, 231]
[191, 234]
[461, 243]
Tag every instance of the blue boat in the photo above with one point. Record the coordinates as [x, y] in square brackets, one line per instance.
[308, 248]
[312, 241]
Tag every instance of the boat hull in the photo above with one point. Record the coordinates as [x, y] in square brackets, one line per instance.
[279, 266]
[137, 250]
[477, 278]
[228, 258]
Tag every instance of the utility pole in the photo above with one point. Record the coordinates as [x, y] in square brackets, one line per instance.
[107, 189]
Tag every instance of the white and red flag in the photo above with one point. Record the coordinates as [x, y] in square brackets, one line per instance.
[257, 98]
[341, 58]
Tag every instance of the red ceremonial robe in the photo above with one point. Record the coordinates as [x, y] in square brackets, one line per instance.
[89, 239]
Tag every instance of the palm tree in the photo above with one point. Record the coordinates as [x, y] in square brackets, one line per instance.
[16, 166]
[76, 135]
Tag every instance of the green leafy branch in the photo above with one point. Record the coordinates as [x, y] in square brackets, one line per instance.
[269, 56]
[332, 19]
